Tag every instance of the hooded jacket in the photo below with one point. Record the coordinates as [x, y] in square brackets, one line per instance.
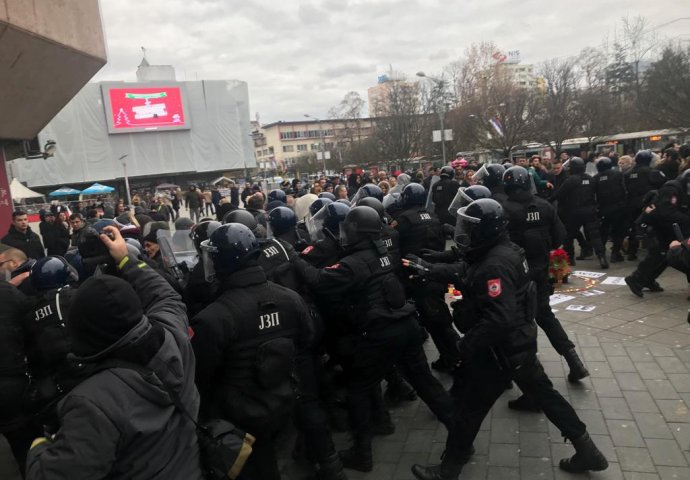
[117, 424]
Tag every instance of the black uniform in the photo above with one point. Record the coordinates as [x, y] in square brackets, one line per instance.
[639, 181]
[498, 193]
[577, 203]
[275, 260]
[14, 382]
[672, 206]
[418, 230]
[500, 346]
[534, 226]
[386, 330]
[245, 344]
[609, 189]
[443, 193]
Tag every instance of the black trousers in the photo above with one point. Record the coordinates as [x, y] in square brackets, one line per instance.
[589, 223]
[436, 318]
[399, 343]
[632, 214]
[653, 264]
[614, 224]
[478, 385]
[545, 318]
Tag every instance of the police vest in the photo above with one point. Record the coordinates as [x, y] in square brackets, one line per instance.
[529, 226]
[47, 340]
[425, 231]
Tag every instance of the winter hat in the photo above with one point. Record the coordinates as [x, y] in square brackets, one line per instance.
[103, 310]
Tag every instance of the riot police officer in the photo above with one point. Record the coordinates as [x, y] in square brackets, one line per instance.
[282, 224]
[384, 323]
[248, 220]
[491, 176]
[534, 226]
[276, 198]
[671, 207]
[639, 180]
[246, 343]
[420, 229]
[324, 229]
[501, 345]
[576, 201]
[609, 189]
[442, 194]
[47, 340]
[368, 190]
[198, 293]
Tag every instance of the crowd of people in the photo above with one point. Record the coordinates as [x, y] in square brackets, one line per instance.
[118, 359]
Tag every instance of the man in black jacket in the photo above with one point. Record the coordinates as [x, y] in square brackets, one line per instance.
[577, 202]
[22, 237]
[500, 345]
[609, 189]
[534, 226]
[246, 343]
[639, 180]
[384, 323]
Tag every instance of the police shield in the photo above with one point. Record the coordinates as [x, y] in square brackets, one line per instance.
[315, 224]
[430, 197]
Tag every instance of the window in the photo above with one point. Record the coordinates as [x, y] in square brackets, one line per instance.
[288, 148]
[302, 147]
[314, 146]
[270, 150]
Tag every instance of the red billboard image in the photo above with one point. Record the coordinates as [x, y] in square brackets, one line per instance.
[154, 108]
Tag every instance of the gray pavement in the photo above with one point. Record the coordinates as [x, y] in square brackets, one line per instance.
[635, 404]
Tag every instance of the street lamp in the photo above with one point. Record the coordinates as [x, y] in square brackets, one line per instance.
[323, 141]
[442, 110]
[124, 167]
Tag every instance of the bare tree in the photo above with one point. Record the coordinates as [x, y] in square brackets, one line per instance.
[665, 97]
[558, 115]
[351, 132]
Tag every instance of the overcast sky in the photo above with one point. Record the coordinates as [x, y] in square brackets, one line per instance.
[303, 56]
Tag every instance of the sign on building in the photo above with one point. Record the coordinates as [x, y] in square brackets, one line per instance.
[447, 135]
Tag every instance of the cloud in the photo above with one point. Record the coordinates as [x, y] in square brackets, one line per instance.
[301, 56]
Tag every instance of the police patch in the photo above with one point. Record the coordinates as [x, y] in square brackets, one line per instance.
[494, 287]
[307, 250]
[333, 267]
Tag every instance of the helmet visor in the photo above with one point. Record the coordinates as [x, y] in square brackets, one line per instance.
[348, 233]
[315, 224]
[361, 193]
[481, 174]
[460, 200]
[430, 196]
[207, 252]
[464, 226]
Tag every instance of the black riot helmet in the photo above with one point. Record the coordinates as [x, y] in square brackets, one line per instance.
[202, 231]
[280, 221]
[361, 223]
[373, 203]
[467, 195]
[327, 195]
[318, 204]
[644, 158]
[52, 272]
[490, 175]
[241, 216]
[576, 165]
[229, 248]
[516, 178]
[335, 215]
[413, 195]
[276, 196]
[368, 190]
[447, 172]
[604, 164]
[480, 224]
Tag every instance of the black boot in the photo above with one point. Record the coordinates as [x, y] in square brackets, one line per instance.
[398, 390]
[655, 287]
[447, 470]
[578, 371]
[524, 404]
[331, 468]
[634, 285]
[358, 457]
[587, 457]
[602, 260]
[616, 257]
[383, 425]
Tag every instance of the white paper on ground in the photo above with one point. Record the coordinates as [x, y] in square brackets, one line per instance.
[614, 281]
[580, 308]
[557, 298]
[592, 293]
[586, 274]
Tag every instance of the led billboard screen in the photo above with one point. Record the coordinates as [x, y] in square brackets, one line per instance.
[137, 108]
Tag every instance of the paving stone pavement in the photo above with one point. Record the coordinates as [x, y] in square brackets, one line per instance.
[635, 403]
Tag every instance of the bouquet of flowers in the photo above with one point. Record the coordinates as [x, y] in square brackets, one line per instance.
[559, 267]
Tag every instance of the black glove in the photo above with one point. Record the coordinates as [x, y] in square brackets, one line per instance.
[433, 256]
[420, 267]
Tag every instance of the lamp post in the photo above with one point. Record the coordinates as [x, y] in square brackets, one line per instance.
[124, 167]
[441, 112]
[323, 142]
